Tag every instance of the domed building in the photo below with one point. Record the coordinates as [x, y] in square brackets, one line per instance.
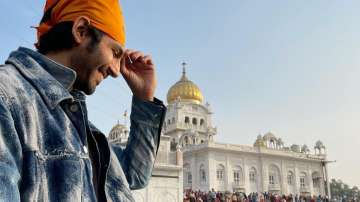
[118, 134]
[188, 120]
[188, 142]
[267, 166]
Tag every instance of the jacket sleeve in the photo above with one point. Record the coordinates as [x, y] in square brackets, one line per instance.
[138, 157]
[10, 154]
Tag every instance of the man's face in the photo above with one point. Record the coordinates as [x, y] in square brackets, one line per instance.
[94, 62]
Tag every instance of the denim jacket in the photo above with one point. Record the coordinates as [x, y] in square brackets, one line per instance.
[49, 151]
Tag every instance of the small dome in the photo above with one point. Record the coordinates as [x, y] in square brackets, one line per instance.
[269, 136]
[118, 132]
[186, 90]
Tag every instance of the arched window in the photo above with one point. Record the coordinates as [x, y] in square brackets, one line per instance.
[187, 173]
[187, 120]
[316, 180]
[220, 170]
[252, 175]
[303, 180]
[202, 122]
[189, 178]
[202, 174]
[186, 139]
[194, 121]
[272, 144]
[237, 173]
[290, 178]
[274, 175]
[271, 179]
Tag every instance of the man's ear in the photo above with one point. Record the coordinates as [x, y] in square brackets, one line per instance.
[80, 28]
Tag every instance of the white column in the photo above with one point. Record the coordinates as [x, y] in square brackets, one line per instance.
[211, 171]
[228, 171]
[195, 173]
[283, 172]
[310, 182]
[297, 180]
[246, 168]
[264, 176]
[327, 180]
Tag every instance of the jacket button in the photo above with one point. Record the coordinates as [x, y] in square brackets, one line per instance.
[74, 108]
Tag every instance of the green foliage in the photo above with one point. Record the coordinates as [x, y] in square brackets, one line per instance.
[341, 190]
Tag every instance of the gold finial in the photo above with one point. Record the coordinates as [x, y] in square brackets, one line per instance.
[125, 117]
[184, 66]
[184, 71]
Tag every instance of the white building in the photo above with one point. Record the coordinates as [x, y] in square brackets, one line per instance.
[267, 166]
[166, 183]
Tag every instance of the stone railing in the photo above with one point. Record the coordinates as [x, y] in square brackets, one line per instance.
[167, 158]
[186, 126]
[233, 147]
[292, 154]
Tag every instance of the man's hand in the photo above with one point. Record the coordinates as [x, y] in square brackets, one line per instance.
[139, 73]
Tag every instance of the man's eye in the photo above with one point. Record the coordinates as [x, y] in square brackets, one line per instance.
[117, 53]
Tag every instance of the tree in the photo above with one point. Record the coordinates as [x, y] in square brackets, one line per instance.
[340, 190]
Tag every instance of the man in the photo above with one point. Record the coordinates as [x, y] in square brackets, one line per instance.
[49, 151]
[212, 195]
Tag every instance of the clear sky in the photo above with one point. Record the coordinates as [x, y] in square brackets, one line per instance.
[289, 67]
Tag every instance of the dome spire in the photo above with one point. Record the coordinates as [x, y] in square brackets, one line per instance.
[183, 77]
[184, 89]
[125, 117]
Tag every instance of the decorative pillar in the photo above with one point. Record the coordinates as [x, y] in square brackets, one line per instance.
[310, 180]
[264, 177]
[227, 173]
[297, 180]
[179, 156]
[283, 177]
[328, 192]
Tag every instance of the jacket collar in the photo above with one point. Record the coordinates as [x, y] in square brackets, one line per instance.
[52, 80]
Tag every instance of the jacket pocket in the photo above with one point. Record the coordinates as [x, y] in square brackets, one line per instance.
[60, 176]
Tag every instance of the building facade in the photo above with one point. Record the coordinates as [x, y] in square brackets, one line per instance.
[189, 158]
[267, 166]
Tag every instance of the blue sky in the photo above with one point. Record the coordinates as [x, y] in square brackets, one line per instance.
[289, 67]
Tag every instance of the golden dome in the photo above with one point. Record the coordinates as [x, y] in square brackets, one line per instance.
[186, 90]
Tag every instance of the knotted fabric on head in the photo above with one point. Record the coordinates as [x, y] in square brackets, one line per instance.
[105, 15]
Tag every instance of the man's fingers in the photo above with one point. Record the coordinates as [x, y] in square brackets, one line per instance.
[148, 60]
[138, 56]
[135, 56]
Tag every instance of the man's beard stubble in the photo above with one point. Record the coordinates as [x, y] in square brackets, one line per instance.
[80, 65]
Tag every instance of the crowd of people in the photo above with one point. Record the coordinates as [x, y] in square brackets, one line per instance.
[217, 196]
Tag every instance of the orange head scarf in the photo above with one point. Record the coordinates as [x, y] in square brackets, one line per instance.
[105, 15]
